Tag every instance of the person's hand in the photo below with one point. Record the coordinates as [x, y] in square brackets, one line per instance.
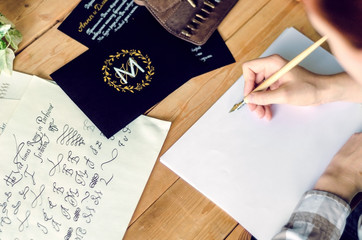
[296, 87]
[343, 175]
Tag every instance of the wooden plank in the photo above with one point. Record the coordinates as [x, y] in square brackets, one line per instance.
[175, 107]
[266, 26]
[239, 233]
[189, 102]
[50, 52]
[242, 12]
[34, 17]
[181, 213]
[184, 107]
[161, 179]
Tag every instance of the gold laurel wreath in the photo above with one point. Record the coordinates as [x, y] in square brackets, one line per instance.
[122, 87]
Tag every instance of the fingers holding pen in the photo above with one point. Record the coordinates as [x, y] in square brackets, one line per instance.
[255, 72]
[263, 112]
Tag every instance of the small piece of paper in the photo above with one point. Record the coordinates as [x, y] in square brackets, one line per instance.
[257, 170]
[13, 86]
[62, 179]
[7, 107]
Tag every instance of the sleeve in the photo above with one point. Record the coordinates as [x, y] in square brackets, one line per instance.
[359, 228]
[318, 216]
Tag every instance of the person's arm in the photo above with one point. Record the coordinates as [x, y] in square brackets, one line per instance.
[359, 228]
[297, 87]
[322, 212]
[318, 216]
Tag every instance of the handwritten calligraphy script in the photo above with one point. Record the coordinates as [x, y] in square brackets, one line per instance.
[110, 19]
[60, 178]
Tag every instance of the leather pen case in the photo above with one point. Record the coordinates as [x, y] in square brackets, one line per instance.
[191, 20]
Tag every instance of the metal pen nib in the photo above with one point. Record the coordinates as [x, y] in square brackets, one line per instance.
[192, 3]
[237, 106]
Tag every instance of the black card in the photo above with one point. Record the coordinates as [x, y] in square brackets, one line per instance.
[122, 76]
[93, 21]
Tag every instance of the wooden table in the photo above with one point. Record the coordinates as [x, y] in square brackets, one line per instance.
[169, 208]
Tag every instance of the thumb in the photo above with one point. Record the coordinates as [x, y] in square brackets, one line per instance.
[266, 97]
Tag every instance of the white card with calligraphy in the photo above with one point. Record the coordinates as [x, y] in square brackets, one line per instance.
[7, 107]
[13, 86]
[61, 179]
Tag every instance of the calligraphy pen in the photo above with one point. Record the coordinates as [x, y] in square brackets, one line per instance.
[273, 78]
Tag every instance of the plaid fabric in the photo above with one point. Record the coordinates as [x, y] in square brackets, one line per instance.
[318, 216]
[359, 228]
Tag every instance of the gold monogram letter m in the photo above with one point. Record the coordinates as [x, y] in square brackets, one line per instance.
[121, 73]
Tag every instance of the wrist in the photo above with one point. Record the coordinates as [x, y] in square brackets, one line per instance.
[338, 185]
[338, 87]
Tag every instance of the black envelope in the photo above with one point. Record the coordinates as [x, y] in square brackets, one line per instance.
[121, 77]
[93, 21]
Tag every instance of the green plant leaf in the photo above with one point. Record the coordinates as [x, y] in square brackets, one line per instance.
[3, 44]
[9, 36]
[14, 37]
[4, 28]
[6, 60]
[4, 20]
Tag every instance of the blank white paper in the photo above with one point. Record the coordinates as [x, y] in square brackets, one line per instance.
[257, 170]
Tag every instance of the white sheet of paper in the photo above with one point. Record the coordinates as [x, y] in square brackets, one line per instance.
[7, 107]
[14, 86]
[61, 179]
[257, 170]
[12, 89]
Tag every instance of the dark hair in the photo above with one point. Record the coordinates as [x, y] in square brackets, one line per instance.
[345, 16]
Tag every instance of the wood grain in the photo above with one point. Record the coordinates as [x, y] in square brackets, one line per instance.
[239, 233]
[186, 105]
[181, 213]
[50, 52]
[34, 17]
[266, 26]
[183, 107]
[242, 12]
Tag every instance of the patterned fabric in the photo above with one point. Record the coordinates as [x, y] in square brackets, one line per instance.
[318, 216]
[359, 228]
